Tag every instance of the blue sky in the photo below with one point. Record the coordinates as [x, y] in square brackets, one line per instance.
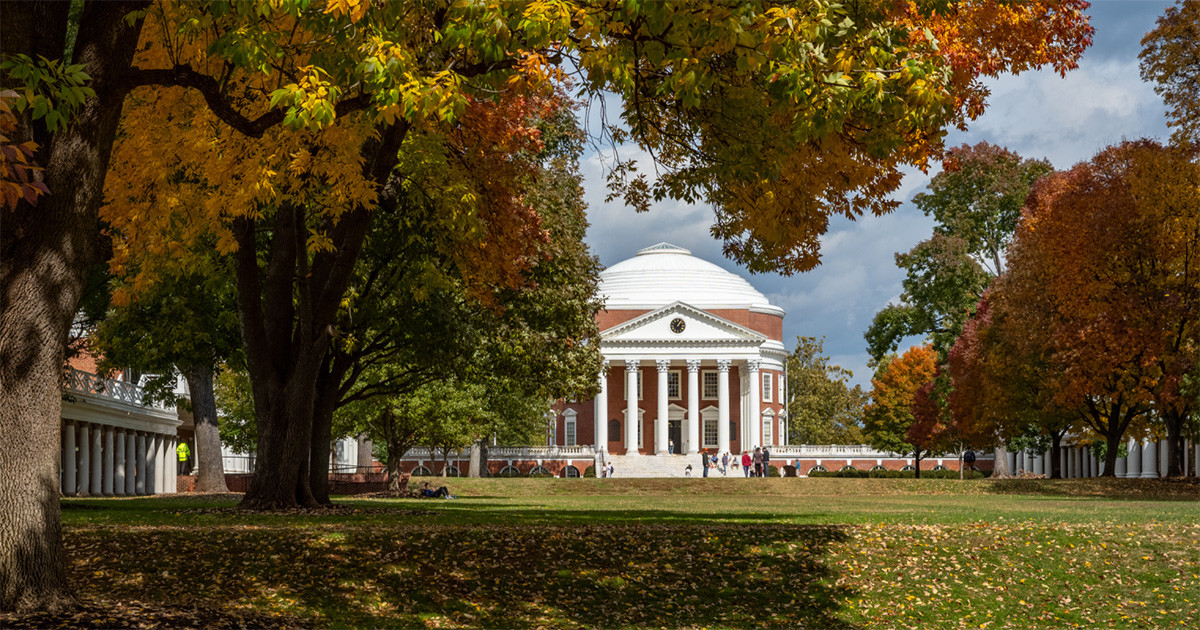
[1036, 114]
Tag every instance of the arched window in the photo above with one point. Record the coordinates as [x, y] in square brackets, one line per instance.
[509, 471]
[422, 471]
[939, 467]
[453, 471]
[908, 468]
[540, 471]
[817, 469]
[847, 467]
[879, 467]
[570, 472]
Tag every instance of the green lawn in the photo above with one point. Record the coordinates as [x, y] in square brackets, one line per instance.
[528, 553]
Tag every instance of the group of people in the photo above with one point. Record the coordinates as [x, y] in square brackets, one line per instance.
[753, 465]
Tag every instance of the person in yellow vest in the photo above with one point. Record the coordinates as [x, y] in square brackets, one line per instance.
[185, 458]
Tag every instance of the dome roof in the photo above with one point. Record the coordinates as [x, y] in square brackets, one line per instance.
[663, 274]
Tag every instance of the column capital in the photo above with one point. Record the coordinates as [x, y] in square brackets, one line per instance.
[754, 364]
[631, 365]
[663, 365]
[723, 365]
[693, 365]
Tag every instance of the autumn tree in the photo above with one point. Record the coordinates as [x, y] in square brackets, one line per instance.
[1170, 59]
[822, 407]
[930, 431]
[780, 116]
[889, 414]
[1103, 274]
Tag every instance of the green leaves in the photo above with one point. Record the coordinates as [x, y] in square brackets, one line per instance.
[53, 90]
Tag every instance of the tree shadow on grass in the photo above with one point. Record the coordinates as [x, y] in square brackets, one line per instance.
[1102, 487]
[513, 576]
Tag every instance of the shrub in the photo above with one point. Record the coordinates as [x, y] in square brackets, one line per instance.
[589, 472]
[772, 471]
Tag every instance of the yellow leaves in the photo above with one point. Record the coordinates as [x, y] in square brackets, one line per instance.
[354, 9]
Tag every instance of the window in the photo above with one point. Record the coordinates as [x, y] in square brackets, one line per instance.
[710, 384]
[540, 471]
[673, 389]
[768, 430]
[709, 422]
[509, 471]
[768, 386]
[569, 425]
[939, 467]
[453, 471]
[879, 467]
[733, 431]
[639, 430]
[570, 472]
[614, 430]
[639, 373]
[422, 471]
[552, 433]
[817, 469]
[781, 398]
[907, 468]
[848, 467]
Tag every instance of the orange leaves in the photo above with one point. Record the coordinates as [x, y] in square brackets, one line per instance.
[19, 173]
[893, 390]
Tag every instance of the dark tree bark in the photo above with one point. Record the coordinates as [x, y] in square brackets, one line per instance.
[287, 313]
[211, 474]
[1111, 419]
[45, 252]
[1056, 438]
[1175, 421]
[917, 459]
[322, 435]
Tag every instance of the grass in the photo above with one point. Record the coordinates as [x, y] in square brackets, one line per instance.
[717, 553]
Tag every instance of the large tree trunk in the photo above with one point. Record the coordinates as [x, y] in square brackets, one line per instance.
[395, 456]
[45, 252]
[1000, 462]
[211, 475]
[917, 459]
[322, 439]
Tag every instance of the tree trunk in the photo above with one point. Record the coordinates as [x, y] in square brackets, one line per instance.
[47, 250]
[1000, 462]
[322, 435]
[917, 459]
[366, 458]
[1175, 421]
[1056, 454]
[211, 475]
[393, 466]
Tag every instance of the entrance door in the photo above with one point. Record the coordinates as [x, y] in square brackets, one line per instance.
[675, 434]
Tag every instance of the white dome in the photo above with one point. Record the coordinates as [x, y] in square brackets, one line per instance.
[663, 274]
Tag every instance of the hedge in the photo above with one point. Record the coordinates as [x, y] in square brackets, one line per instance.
[896, 474]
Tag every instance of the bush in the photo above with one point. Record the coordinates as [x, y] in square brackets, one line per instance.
[541, 474]
[772, 471]
[589, 472]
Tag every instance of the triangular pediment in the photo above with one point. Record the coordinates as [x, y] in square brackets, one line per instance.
[680, 322]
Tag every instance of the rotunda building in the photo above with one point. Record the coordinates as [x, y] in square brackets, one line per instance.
[693, 359]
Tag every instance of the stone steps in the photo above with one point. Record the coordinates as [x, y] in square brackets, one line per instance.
[655, 466]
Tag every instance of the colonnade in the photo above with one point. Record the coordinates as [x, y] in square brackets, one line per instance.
[1145, 459]
[99, 459]
[691, 429]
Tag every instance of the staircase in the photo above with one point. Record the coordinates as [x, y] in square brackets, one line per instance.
[654, 466]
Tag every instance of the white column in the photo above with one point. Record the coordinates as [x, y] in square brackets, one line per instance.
[1096, 463]
[755, 409]
[1012, 461]
[140, 458]
[151, 463]
[1134, 468]
[96, 460]
[1119, 468]
[85, 459]
[660, 421]
[1150, 460]
[1086, 455]
[631, 407]
[601, 415]
[1019, 459]
[723, 404]
[1072, 466]
[107, 483]
[131, 465]
[69, 480]
[1037, 467]
[693, 414]
[119, 463]
[160, 451]
[1162, 458]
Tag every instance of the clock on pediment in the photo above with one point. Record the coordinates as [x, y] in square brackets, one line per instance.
[677, 325]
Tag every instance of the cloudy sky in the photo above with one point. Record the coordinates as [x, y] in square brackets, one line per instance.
[1036, 114]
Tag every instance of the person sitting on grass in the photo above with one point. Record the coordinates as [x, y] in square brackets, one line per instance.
[440, 493]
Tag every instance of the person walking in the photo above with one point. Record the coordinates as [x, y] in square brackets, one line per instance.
[757, 459]
[724, 463]
[766, 457]
[670, 447]
[746, 463]
[704, 461]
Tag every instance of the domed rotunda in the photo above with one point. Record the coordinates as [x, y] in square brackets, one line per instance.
[701, 348]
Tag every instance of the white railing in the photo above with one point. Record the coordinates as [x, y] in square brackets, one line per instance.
[87, 383]
[511, 452]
